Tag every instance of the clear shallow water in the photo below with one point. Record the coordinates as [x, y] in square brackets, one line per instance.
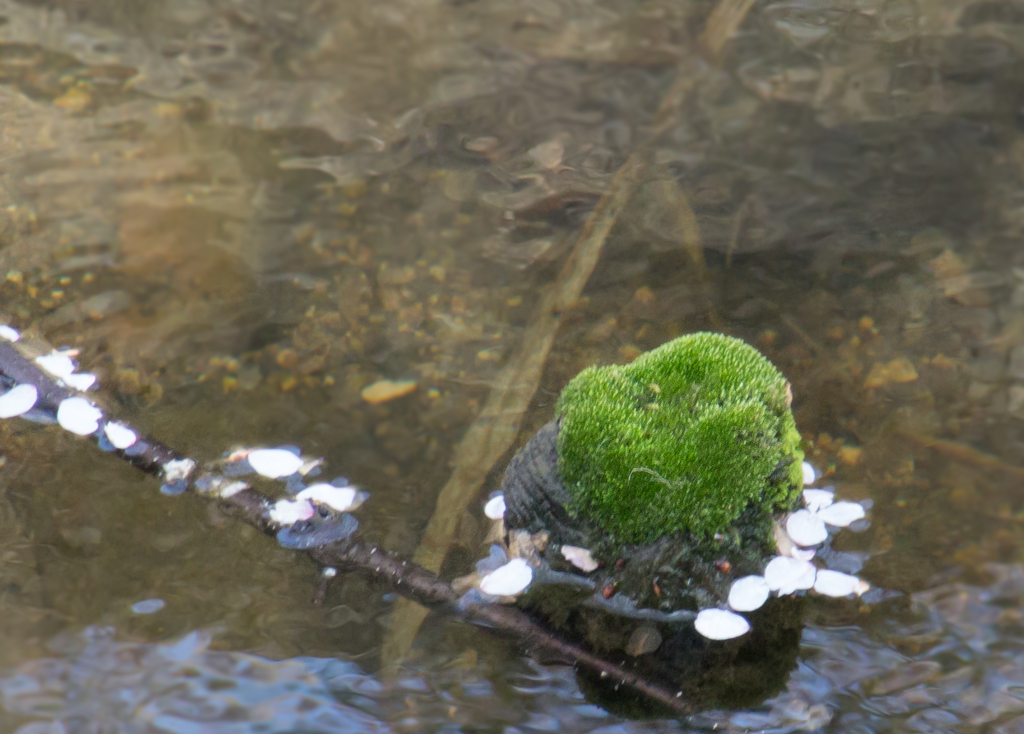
[244, 213]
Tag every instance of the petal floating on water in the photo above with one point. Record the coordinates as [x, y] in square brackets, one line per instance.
[58, 364]
[786, 575]
[835, 583]
[337, 498]
[817, 499]
[806, 529]
[580, 558]
[809, 474]
[842, 514]
[119, 435]
[720, 624]
[287, 512]
[80, 380]
[509, 580]
[495, 507]
[79, 416]
[748, 593]
[18, 400]
[274, 463]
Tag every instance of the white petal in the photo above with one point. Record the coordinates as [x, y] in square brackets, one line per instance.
[748, 593]
[80, 380]
[19, 399]
[806, 529]
[507, 580]
[79, 416]
[176, 469]
[274, 463]
[230, 489]
[786, 575]
[579, 557]
[817, 499]
[720, 624]
[58, 364]
[9, 333]
[495, 507]
[120, 435]
[286, 512]
[842, 514]
[809, 474]
[834, 583]
[337, 498]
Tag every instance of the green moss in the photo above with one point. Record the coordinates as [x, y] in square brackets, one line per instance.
[683, 439]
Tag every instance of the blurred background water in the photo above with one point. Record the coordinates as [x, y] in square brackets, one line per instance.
[244, 212]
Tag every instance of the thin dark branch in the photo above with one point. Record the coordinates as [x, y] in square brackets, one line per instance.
[404, 577]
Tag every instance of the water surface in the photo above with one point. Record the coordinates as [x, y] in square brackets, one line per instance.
[244, 212]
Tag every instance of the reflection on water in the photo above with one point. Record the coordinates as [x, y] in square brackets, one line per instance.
[245, 213]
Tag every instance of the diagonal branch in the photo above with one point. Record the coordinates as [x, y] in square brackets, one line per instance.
[404, 577]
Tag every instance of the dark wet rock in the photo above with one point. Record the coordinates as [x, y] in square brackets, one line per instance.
[652, 592]
[678, 571]
[535, 499]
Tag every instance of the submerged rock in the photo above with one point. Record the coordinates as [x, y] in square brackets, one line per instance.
[673, 472]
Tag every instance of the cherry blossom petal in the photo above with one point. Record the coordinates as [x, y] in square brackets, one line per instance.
[842, 514]
[806, 529]
[509, 580]
[337, 498]
[580, 558]
[80, 380]
[58, 364]
[18, 400]
[274, 463]
[720, 624]
[79, 416]
[495, 507]
[120, 435]
[748, 593]
[816, 500]
[287, 512]
[809, 474]
[786, 575]
[835, 583]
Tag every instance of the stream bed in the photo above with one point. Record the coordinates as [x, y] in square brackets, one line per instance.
[330, 224]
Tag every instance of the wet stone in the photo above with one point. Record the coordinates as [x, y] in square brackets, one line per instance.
[645, 639]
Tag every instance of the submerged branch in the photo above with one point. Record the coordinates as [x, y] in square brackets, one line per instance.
[409, 579]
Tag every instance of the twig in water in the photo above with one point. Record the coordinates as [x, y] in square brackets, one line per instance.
[404, 577]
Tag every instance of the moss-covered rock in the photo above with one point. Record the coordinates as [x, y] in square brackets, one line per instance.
[684, 439]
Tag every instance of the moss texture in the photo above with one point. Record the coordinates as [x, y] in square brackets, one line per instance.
[683, 439]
